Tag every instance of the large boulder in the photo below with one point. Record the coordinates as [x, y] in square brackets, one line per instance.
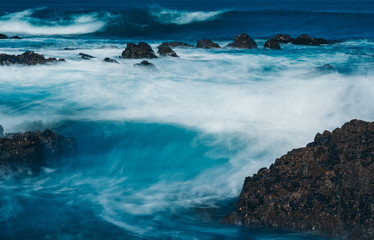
[166, 51]
[3, 36]
[140, 50]
[27, 58]
[28, 152]
[282, 38]
[176, 44]
[325, 187]
[305, 39]
[271, 44]
[243, 41]
[206, 43]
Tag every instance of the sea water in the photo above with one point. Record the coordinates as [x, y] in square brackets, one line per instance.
[163, 154]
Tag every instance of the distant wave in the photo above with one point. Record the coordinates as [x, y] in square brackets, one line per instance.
[75, 23]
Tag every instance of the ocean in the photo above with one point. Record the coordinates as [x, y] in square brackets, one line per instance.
[163, 154]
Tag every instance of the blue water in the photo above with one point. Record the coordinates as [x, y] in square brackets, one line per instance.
[163, 154]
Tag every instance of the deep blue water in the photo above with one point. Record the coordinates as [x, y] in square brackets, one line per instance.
[163, 154]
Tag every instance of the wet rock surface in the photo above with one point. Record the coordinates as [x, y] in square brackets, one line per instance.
[243, 41]
[305, 39]
[325, 187]
[3, 36]
[110, 60]
[271, 44]
[28, 152]
[85, 56]
[27, 58]
[145, 64]
[206, 43]
[166, 51]
[140, 50]
[282, 38]
[176, 44]
[15, 37]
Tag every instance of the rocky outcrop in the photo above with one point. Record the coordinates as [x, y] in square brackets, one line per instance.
[271, 44]
[3, 36]
[15, 37]
[243, 41]
[146, 64]
[206, 43]
[140, 50]
[110, 60]
[176, 44]
[326, 187]
[166, 51]
[282, 38]
[86, 56]
[28, 152]
[27, 58]
[305, 39]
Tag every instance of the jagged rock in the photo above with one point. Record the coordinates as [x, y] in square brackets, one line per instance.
[305, 39]
[282, 38]
[15, 37]
[3, 36]
[110, 60]
[176, 44]
[25, 152]
[141, 50]
[206, 43]
[166, 51]
[146, 64]
[86, 56]
[27, 58]
[272, 45]
[243, 41]
[325, 187]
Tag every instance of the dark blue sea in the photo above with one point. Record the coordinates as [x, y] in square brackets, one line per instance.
[163, 154]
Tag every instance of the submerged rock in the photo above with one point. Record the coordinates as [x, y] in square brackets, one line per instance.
[110, 60]
[146, 64]
[282, 38]
[25, 152]
[140, 50]
[305, 39]
[166, 51]
[206, 43]
[326, 67]
[176, 44]
[15, 37]
[327, 186]
[243, 41]
[86, 56]
[3, 36]
[27, 58]
[271, 44]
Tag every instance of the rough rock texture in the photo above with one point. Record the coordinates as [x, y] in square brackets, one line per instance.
[25, 152]
[271, 44]
[176, 44]
[3, 36]
[282, 38]
[110, 60]
[166, 51]
[86, 56]
[206, 43]
[305, 39]
[145, 64]
[27, 58]
[141, 50]
[326, 187]
[243, 41]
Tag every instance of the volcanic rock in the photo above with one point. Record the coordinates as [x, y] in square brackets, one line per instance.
[282, 38]
[206, 43]
[305, 39]
[86, 56]
[176, 44]
[25, 152]
[146, 64]
[272, 45]
[110, 60]
[27, 58]
[141, 50]
[325, 187]
[243, 41]
[3, 36]
[166, 51]
[15, 37]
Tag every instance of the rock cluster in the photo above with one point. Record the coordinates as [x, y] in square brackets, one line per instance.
[140, 50]
[282, 38]
[27, 152]
[327, 187]
[305, 39]
[27, 58]
[3, 36]
[243, 41]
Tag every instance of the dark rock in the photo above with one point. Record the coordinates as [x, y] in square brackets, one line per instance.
[272, 45]
[326, 67]
[1, 131]
[166, 51]
[305, 39]
[70, 49]
[27, 58]
[110, 60]
[326, 187]
[282, 38]
[243, 41]
[15, 37]
[206, 43]
[3, 36]
[146, 64]
[141, 50]
[176, 44]
[86, 56]
[108, 47]
[25, 152]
